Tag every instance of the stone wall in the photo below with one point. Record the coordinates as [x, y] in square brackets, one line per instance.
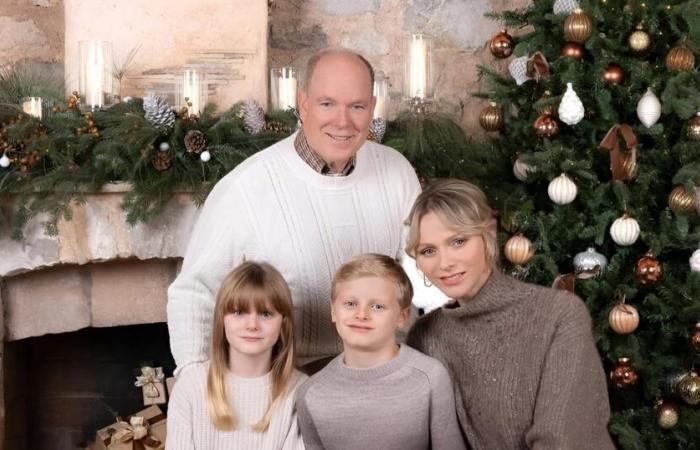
[31, 30]
[376, 27]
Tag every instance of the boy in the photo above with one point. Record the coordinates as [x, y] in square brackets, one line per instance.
[377, 394]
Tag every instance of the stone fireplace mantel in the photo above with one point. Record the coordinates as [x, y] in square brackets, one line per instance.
[98, 271]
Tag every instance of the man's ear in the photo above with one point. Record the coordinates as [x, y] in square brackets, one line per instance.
[303, 101]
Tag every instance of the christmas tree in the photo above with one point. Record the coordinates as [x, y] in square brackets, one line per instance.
[596, 144]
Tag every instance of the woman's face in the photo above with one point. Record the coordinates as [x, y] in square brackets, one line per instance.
[452, 261]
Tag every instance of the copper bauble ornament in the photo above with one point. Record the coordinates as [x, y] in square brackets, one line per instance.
[666, 415]
[681, 201]
[578, 27]
[648, 269]
[518, 249]
[695, 338]
[689, 388]
[546, 126]
[693, 129]
[502, 44]
[545, 105]
[613, 74]
[639, 40]
[680, 59]
[623, 318]
[491, 118]
[572, 50]
[623, 374]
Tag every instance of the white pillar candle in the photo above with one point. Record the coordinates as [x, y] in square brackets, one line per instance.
[418, 73]
[192, 91]
[381, 93]
[95, 73]
[287, 91]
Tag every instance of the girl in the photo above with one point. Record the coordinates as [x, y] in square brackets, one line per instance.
[243, 397]
[523, 360]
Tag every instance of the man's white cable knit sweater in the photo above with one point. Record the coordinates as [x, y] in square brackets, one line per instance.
[191, 428]
[273, 207]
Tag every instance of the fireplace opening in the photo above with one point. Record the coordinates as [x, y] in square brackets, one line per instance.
[61, 388]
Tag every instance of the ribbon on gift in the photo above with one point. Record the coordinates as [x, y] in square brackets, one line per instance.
[537, 66]
[148, 379]
[623, 164]
[135, 431]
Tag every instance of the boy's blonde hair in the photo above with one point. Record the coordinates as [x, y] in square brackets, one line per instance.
[251, 285]
[375, 265]
[459, 205]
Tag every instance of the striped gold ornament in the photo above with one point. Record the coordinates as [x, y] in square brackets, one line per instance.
[578, 27]
[680, 59]
[491, 118]
[518, 249]
[681, 201]
[623, 318]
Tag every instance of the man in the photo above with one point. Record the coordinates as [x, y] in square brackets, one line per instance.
[305, 205]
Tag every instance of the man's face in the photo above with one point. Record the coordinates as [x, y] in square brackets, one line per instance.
[336, 108]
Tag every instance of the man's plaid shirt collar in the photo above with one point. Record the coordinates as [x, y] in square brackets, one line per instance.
[310, 157]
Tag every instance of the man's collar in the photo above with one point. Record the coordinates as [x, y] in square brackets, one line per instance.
[314, 160]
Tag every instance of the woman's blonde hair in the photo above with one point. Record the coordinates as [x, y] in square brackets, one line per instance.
[459, 205]
[251, 285]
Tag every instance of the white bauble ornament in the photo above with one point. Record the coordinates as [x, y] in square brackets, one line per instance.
[565, 6]
[205, 156]
[522, 170]
[570, 108]
[562, 190]
[4, 161]
[649, 108]
[623, 319]
[164, 147]
[518, 70]
[695, 261]
[625, 230]
[518, 249]
[589, 264]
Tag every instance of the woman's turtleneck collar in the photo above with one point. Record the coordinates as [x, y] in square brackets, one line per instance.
[499, 291]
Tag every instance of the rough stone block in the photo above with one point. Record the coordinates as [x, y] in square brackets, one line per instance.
[48, 301]
[130, 292]
[336, 8]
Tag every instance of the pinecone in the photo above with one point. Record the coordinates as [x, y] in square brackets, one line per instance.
[162, 161]
[195, 141]
[158, 112]
[276, 127]
[253, 117]
[378, 128]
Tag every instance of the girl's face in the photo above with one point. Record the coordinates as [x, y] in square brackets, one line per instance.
[252, 333]
[452, 261]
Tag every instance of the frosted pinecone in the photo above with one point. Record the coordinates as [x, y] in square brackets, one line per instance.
[253, 117]
[378, 128]
[158, 112]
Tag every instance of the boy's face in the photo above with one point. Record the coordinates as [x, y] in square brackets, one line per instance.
[366, 313]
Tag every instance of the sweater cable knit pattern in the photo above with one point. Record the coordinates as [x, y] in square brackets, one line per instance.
[273, 207]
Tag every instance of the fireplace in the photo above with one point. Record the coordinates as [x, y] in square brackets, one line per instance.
[82, 311]
[61, 388]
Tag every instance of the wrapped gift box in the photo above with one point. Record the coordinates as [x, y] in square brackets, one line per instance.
[128, 435]
[151, 382]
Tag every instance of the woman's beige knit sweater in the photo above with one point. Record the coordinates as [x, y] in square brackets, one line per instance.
[525, 367]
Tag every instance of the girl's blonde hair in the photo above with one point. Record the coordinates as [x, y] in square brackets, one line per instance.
[459, 205]
[251, 285]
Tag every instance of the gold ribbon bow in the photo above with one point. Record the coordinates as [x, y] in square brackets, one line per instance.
[623, 164]
[148, 378]
[537, 66]
[135, 431]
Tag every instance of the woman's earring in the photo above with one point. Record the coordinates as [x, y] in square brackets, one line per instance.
[426, 282]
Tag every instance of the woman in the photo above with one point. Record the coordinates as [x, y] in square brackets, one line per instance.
[525, 367]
